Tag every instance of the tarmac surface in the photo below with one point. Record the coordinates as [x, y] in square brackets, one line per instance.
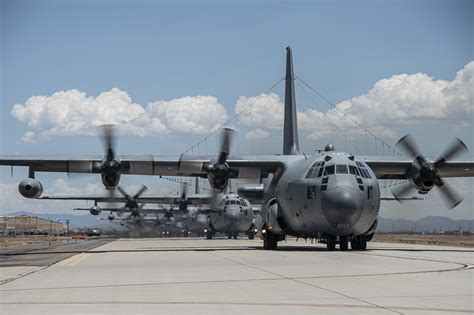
[196, 276]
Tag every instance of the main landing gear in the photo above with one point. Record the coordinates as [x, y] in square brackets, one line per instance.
[270, 242]
[359, 242]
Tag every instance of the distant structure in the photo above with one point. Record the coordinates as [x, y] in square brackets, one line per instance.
[28, 225]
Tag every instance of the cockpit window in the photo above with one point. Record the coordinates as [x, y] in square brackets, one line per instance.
[329, 170]
[315, 170]
[353, 170]
[364, 173]
[341, 169]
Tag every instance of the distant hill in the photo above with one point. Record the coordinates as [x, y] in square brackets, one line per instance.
[427, 224]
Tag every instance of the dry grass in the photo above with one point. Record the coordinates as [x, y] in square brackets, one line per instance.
[429, 239]
[7, 241]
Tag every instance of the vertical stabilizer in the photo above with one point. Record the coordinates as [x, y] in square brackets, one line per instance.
[290, 129]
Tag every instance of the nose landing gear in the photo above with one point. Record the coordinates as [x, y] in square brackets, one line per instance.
[331, 242]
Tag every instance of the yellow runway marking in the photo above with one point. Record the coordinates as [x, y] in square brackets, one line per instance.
[74, 260]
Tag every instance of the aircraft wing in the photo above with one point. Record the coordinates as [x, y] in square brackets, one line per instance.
[192, 200]
[121, 210]
[395, 169]
[146, 164]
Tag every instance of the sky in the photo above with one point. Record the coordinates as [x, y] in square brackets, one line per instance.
[171, 72]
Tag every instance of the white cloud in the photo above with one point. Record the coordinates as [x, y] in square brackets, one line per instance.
[257, 134]
[410, 99]
[265, 110]
[199, 114]
[396, 102]
[72, 112]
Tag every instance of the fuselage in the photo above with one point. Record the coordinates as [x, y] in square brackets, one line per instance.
[329, 193]
[234, 215]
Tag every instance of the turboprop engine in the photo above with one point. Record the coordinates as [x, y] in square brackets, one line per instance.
[274, 216]
[95, 210]
[30, 188]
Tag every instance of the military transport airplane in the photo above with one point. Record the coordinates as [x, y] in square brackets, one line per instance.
[231, 215]
[334, 196]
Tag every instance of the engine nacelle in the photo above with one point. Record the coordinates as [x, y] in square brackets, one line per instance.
[95, 210]
[423, 186]
[274, 218]
[110, 181]
[30, 188]
[218, 182]
[421, 178]
[218, 175]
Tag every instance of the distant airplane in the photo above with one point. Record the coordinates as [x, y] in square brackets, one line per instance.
[333, 196]
[231, 215]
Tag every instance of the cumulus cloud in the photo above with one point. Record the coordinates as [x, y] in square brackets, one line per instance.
[72, 112]
[397, 102]
[257, 134]
[401, 100]
[265, 110]
[199, 114]
[404, 99]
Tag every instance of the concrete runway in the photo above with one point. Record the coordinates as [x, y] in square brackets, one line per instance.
[195, 276]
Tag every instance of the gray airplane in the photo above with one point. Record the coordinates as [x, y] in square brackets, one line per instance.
[332, 195]
[232, 215]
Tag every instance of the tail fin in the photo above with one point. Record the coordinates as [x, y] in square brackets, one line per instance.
[290, 129]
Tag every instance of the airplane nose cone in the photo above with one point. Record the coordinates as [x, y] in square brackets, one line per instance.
[232, 216]
[342, 207]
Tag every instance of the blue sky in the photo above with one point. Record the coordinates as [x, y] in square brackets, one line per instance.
[161, 51]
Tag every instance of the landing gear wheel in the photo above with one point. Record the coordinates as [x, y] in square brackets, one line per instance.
[343, 245]
[251, 235]
[359, 243]
[229, 236]
[235, 236]
[270, 242]
[209, 235]
[331, 242]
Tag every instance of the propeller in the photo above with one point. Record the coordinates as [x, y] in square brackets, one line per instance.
[131, 202]
[423, 174]
[110, 167]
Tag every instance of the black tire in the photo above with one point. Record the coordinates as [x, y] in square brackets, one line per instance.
[251, 236]
[359, 242]
[235, 235]
[229, 236]
[362, 243]
[343, 244]
[209, 236]
[354, 244]
[270, 242]
[331, 243]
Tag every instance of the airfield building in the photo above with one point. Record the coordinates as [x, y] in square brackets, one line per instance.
[29, 225]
